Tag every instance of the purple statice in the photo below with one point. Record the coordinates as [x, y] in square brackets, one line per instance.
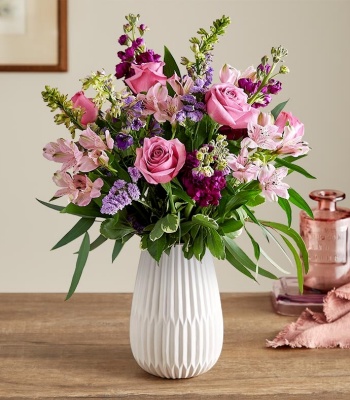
[123, 141]
[205, 190]
[134, 173]
[192, 109]
[120, 195]
[133, 191]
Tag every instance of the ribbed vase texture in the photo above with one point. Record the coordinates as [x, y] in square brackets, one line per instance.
[176, 324]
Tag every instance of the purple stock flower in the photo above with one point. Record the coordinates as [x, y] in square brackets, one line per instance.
[264, 68]
[129, 54]
[123, 39]
[147, 56]
[248, 86]
[274, 86]
[142, 27]
[137, 42]
[263, 102]
[204, 190]
[123, 141]
[123, 69]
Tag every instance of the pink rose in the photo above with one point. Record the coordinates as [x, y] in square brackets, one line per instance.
[90, 110]
[160, 160]
[227, 105]
[287, 117]
[146, 75]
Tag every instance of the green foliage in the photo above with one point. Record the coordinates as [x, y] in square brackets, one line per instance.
[82, 226]
[277, 110]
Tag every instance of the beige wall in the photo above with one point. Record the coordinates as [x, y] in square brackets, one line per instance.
[317, 36]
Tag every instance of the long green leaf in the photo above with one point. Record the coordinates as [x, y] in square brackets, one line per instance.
[238, 265]
[297, 200]
[295, 236]
[118, 245]
[284, 203]
[90, 211]
[297, 262]
[245, 260]
[53, 206]
[170, 66]
[81, 261]
[97, 242]
[294, 167]
[277, 110]
[82, 226]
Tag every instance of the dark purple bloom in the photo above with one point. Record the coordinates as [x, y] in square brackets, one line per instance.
[262, 102]
[129, 53]
[123, 39]
[122, 69]
[233, 134]
[135, 224]
[142, 27]
[147, 56]
[155, 128]
[264, 68]
[137, 42]
[123, 141]
[121, 55]
[248, 86]
[274, 86]
[136, 124]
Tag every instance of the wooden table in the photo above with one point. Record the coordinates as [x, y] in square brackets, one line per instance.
[80, 349]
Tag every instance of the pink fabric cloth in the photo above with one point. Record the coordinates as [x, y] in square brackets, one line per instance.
[327, 329]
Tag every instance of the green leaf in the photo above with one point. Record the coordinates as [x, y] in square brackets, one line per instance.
[256, 201]
[113, 228]
[242, 257]
[297, 262]
[170, 223]
[157, 231]
[182, 195]
[89, 211]
[284, 203]
[170, 66]
[82, 226]
[206, 221]
[53, 206]
[118, 245]
[293, 167]
[256, 246]
[157, 247]
[295, 236]
[239, 266]
[199, 245]
[96, 243]
[297, 200]
[231, 225]
[216, 244]
[276, 111]
[79, 267]
[241, 198]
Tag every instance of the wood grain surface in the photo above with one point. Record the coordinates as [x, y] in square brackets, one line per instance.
[51, 349]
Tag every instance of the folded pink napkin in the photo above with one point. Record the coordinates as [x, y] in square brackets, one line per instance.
[330, 328]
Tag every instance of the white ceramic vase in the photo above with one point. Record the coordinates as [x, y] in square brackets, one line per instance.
[176, 324]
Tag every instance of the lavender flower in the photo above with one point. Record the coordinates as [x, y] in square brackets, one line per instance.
[120, 195]
[123, 141]
[133, 191]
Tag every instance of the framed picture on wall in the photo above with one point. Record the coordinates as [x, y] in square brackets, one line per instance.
[33, 35]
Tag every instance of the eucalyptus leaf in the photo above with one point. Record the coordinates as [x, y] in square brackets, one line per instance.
[277, 110]
[80, 264]
[118, 245]
[82, 226]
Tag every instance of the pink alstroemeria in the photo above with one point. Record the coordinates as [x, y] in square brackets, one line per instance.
[63, 151]
[243, 169]
[79, 188]
[91, 141]
[156, 94]
[93, 160]
[264, 137]
[271, 183]
[229, 74]
[181, 87]
[291, 143]
[168, 109]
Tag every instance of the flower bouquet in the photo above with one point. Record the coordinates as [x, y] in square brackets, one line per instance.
[177, 159]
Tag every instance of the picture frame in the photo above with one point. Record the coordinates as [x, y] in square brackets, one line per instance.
[33, 36]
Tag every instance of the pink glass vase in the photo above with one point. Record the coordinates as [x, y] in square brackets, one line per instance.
[327, 241]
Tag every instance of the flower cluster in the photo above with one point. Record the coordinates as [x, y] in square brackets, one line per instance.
[173, 157]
